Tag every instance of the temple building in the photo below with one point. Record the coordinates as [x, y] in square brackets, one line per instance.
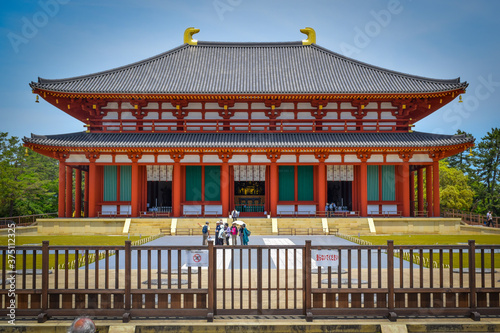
[267, 128]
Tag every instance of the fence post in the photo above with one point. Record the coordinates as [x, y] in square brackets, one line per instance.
[306, 278]
[259, 279]
[128, 275]
[42, 317]
[212, 280]
[472, 281]
[392, 316]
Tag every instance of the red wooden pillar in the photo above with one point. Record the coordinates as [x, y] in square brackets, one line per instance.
[69, 191]
[428, 189]
[86, 195]
[420, 189]
[92, 189]
[135, 188]
[61, 207]
[224, 187]
[144, 187]
[78, 193]
[435, 186]
[363, 193]
[321, 185]
[355, 189]
[176, 189]
[268, 191]
[406, 188]
[274, 188]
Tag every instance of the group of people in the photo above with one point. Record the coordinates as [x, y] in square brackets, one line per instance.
[224, 232]
[330, 207]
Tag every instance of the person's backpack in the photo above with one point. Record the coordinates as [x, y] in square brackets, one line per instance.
[249, 232]
[205, 229]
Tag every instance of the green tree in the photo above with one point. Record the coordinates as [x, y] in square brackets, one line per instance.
[486, 173]
[28, 184]
[461, 161]
[454, 189]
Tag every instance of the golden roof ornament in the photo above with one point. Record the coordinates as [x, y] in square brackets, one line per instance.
[188, 36]
[311, 36]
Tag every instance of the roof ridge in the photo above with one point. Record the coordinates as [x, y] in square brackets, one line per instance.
[249, 44]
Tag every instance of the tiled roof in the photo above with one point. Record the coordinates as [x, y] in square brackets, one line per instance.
[248, 140]
[248, 68]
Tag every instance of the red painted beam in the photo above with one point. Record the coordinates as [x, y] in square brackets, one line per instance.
[406, 188]
[176, 190]
[135, 189]
[321, 184]
[274, 188]
[224, 188]
[92, 189]
[363, 193]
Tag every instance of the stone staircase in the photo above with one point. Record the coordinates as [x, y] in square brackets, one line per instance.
[298, 226]
[259, 226]
[149, 227]
[191, 226]
[349, 226]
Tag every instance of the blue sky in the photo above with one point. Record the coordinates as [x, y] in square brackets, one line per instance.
[63, 38]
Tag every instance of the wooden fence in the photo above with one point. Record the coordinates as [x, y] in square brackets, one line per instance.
[470, 218]
[154, 281]
[24, 220]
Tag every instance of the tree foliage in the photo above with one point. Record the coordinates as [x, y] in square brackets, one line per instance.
[28, 184]
[482, 168]
[485, 173]
[461, 161]
[454, 189]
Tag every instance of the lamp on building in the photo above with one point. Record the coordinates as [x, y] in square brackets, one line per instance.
[26, 152]
[460, 99]
[36, 101]
[470, 151]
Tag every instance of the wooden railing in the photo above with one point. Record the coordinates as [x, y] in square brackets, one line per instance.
[336, 214]
[113, 213]
[205, 213]
[249, 125]
[155, 214]
[301, 231]
[24, 220]
[249, 208]
[386, 213]
[470, 218]
[154, 281]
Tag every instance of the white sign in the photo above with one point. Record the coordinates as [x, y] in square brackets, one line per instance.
[326, 258]
[197, 258]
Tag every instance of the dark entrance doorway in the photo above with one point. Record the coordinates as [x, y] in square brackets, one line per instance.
[340, 193]
[249, 196]
[159, 196]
